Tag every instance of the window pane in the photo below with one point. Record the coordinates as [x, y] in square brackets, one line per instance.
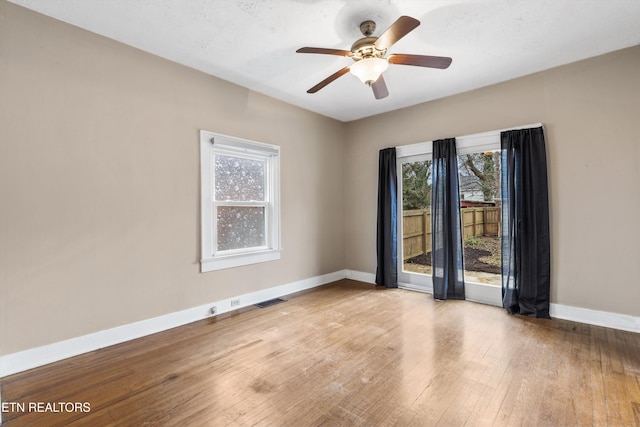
[240, 227]
[416, 216]
[239, 179]
[479, 177]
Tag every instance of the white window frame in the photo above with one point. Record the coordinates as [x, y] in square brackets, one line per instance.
[210, 145]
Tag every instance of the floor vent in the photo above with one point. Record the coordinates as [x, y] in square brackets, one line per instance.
[270, 302]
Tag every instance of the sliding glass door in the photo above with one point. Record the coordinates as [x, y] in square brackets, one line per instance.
[479, 169]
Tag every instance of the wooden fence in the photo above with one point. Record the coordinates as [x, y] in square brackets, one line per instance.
[481, 221]
[416, 228]
[416, 233]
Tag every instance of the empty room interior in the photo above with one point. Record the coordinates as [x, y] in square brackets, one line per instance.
[165, 167]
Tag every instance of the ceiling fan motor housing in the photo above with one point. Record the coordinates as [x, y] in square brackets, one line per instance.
[365, 48]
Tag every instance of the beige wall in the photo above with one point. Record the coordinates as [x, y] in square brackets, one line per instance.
[99, 179]
[591, 113]
[99, 183]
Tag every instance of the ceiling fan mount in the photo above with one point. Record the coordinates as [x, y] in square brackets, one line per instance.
[369, 54]
[367, 28]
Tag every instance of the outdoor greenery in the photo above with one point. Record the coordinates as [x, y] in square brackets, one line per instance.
[416, 185]
[481, 169]
[486, 168]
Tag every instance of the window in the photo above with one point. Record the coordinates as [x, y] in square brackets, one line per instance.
[239, 201]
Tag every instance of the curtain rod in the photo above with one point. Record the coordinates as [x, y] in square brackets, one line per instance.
[462, 141]
[495, 132]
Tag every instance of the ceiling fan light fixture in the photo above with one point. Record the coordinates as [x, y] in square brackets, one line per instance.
[368, 70]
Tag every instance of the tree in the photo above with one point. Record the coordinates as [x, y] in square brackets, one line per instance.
[416, 185]
[486, 168]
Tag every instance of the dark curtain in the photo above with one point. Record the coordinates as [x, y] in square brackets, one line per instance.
[386, 240]
[446, 238]
[525, 223]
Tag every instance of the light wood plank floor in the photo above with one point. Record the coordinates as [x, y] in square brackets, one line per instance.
[349, 354]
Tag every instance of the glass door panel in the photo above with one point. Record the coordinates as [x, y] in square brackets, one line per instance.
[479, 177]
[415, 222]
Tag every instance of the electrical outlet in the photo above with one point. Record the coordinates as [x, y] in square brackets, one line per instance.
[235, 302]
[213, 310]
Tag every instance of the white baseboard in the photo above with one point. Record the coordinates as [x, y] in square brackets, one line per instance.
[39, 356]
[607, 319]
[361, 277]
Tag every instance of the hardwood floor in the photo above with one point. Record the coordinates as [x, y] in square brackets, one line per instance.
[348, 354]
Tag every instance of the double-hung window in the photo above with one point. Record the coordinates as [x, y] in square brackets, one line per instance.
[239, 201]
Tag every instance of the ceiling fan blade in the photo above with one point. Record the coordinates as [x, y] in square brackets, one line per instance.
[403, 26]
[322, 50]
[328, 80]
[441, 62]
[380, 88]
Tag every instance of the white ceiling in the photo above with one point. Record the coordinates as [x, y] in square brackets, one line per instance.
[253, 42]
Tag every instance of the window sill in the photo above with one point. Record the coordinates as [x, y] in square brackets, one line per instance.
[237, 260]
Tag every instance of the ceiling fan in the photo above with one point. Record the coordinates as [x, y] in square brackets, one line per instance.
[369, 56]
